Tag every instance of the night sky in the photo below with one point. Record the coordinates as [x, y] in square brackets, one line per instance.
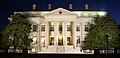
[7, 7]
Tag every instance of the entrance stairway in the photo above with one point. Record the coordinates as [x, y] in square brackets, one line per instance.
[70, 49]
[49, 49]
[60, 49]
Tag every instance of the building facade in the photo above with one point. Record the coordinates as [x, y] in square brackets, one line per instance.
[60, 30]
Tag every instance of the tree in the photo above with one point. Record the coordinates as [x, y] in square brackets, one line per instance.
[17, 32]
[102, 34]
[118, 34]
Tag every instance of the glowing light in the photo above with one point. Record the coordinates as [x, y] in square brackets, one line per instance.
[87, 50]
[60, 37]
[33, 49]
[42, 40]
[76, 38]
[34, 39]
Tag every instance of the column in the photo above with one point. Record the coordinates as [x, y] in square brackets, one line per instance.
[55, 35]
[46, 34]
[55, 32]
[37, 39]
[39, 31]
[74, 33]
[81, 36]
[65, 32]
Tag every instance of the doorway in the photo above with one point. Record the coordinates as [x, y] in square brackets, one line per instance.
[60, 40]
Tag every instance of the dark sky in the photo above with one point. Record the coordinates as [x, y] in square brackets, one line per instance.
[7, 7]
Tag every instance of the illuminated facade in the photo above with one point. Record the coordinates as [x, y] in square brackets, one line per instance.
[60, 30]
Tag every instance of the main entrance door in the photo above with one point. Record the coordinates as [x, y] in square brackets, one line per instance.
[60, 47]
[60, 40]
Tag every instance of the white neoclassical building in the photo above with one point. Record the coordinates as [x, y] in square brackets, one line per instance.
[60, 30]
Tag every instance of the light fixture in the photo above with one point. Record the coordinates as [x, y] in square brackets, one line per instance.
[34, 39]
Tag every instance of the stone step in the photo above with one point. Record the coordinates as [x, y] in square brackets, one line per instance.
[60, 49]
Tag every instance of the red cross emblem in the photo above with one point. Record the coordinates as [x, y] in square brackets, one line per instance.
[60, 12]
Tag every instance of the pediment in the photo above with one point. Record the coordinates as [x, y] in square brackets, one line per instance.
[60, 11]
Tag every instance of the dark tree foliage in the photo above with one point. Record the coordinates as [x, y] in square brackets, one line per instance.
[17, 31]
[102, 34]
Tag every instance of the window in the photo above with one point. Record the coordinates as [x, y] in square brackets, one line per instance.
[34, 27]
[42, 27]
[60, 27]
[77, 28]
[86, 28]
[68, 27]
[69, 42]
[51, 42]
[51, 27]
[43, 41]
[78, 40]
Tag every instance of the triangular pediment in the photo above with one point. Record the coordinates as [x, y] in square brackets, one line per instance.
[60, 11]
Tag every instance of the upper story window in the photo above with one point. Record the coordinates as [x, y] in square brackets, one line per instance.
[35, 27]
[68, 27]
[86, 28]
[42, 27]
[78, 28]
[60, 28]
[51, 27]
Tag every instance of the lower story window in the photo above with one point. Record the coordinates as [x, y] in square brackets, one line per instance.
[43, 41]
[78, 40]
[51, 42]
[69, 41]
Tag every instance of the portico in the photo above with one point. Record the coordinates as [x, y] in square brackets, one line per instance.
[57, 33]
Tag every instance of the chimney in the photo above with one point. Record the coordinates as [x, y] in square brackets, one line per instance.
[34, 6]
[49, 6]
[70, 6]
[86, 6]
